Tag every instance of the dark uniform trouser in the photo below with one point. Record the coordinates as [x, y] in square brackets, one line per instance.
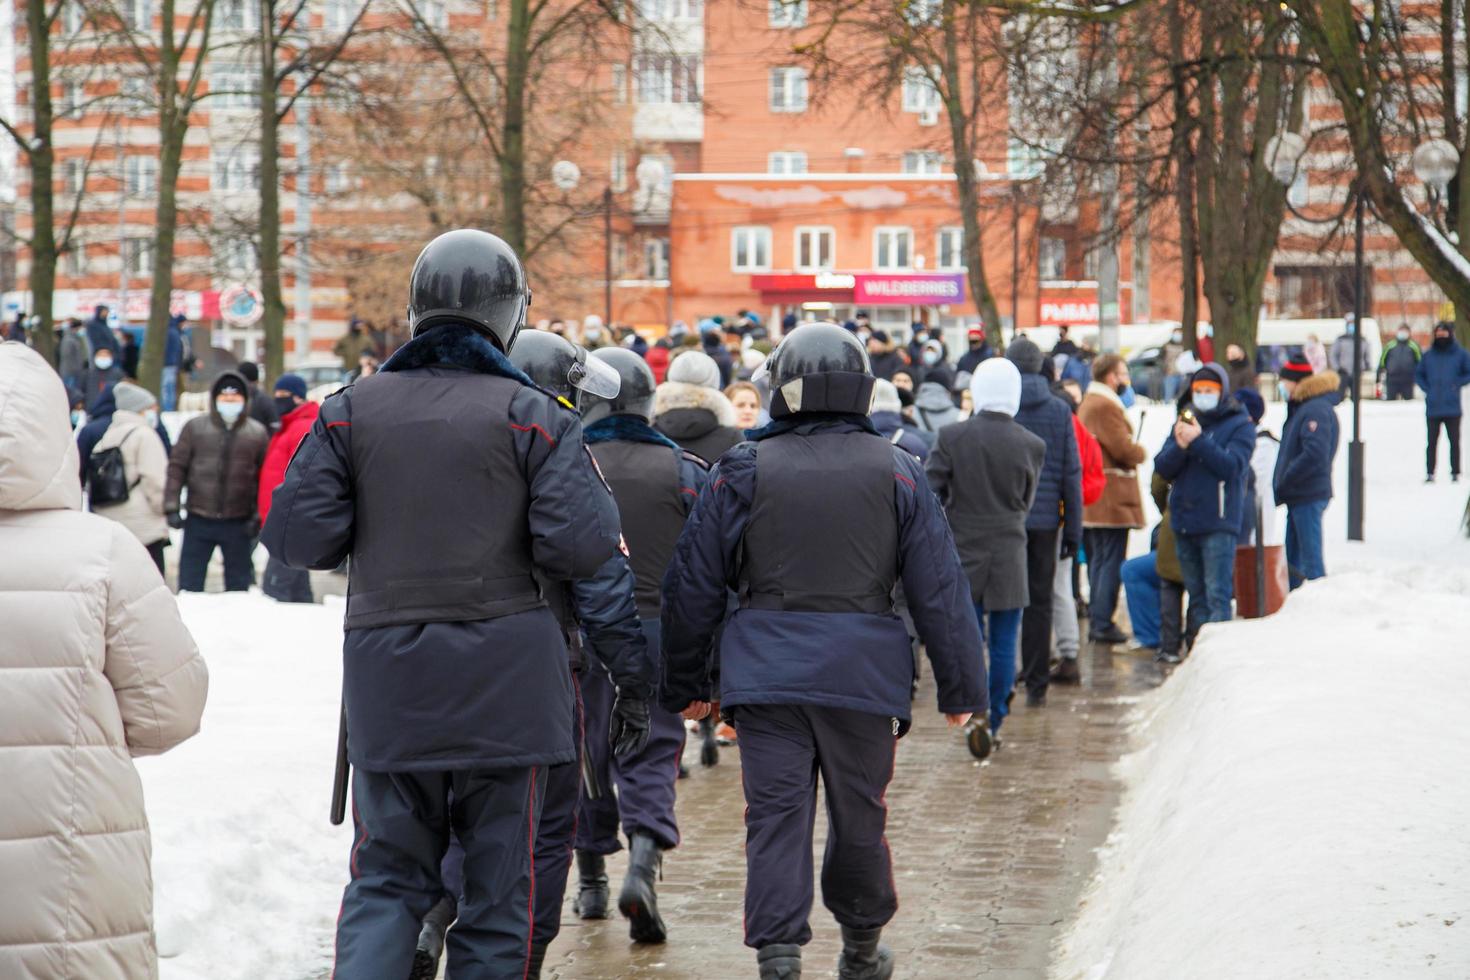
[402, 822]
[782, 749]
[645, 782]
[1041, 569]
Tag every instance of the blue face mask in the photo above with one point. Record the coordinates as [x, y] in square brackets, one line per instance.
[76, 417]
[1282, 391]
[229, 411]
[1205, 401]
[1127, 397]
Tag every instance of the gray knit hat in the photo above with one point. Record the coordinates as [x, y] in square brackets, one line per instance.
[695, 368]
[1025, 355]
[132, 398]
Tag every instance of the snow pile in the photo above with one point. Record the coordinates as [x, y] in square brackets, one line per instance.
[1298, 808]
[248, 873]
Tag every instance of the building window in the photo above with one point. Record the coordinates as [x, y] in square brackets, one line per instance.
[921, 13]
[788, 13]
[140, 176]
[1313, 292]
[234, 90]
[786, 162]
[76, 175]
[137, 14]
[619, 256]
[136, 96]
[919, 93]
[618, 171]
[73, 17]
[138, 256]
[238, 257]
[816, 249]
[73, 95]
[335, 179]
[788, 89]
[620, 84]
[666, 11]
[236, 15]
[656, 258]
[667, 79]
[923, 162]
[893, 248]
[1053, 258]
[750, 248]
[239, 171]
[76, 259]
[1297, 193]
[336, 15]
[434, 14]
[950, 247]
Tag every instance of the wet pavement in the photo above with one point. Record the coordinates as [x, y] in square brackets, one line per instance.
[990, 859]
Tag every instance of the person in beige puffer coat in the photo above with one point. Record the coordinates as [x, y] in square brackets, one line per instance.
[145, 464]
[95, 667]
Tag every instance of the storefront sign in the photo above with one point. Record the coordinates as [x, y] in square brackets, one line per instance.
[240, 306]
[912, 289]
[194, 304]
[1074, 307]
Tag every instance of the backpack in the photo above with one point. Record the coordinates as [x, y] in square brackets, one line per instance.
[107, 478]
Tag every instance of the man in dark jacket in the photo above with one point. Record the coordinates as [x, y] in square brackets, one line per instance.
[1442, 372]
[1303, 477]
[262, 409]
[103, 372]
[452, 482]
[217, 462]
[985, 471]
[691, 409]
[713, 341]
[1056, 510]
[884, 356]
[99, 334]
[655, 484]
[72, 354]
[173, 360]
[887, 416]
[980, 350]
[815, 670]
[1207, 458]
[297, 415]
[1397, 365]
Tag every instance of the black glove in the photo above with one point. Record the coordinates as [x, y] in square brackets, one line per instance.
[627, 729]
[252, 528]
[174, 520]
[1069, 549]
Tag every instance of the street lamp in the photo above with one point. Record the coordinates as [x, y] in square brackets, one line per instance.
[566, 175]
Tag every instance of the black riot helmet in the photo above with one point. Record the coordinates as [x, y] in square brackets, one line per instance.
[471, 277]
[818, 367]
[561, 367]
[635, 393]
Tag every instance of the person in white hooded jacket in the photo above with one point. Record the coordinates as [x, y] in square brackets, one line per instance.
[145, 468]
[95, 667]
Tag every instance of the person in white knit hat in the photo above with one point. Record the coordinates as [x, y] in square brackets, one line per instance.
[690, 409]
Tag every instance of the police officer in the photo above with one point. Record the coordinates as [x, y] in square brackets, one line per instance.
[813, 521]
[655, 484]
[451, 482]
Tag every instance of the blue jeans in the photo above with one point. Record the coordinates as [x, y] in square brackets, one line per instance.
[1141, 591]
[1171, 386]
[1001, 636]
[170, 387]
[1304, 542]
[1106, 548]
[1208, 563]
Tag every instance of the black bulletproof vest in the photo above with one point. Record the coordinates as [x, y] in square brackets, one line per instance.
[645, 483]
[823, 529]
[440, 532]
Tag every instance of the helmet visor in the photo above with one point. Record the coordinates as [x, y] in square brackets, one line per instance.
[594, 376]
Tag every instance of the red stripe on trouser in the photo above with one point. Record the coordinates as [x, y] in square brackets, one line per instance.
[352, 869]
[531, 853]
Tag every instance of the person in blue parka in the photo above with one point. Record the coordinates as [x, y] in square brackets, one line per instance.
[1207, 458]
[811, 523]
[1303, 476]
[1443, 371]
[452, 483]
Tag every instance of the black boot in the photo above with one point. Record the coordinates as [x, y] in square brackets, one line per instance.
[431, 939]
[709, 747]
[533, 965]
[863, 957]
[638, 900]
[779, 962]
[591, 901]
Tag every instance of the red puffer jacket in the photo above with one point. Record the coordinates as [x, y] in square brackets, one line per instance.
[1093, 478]
[295, 424]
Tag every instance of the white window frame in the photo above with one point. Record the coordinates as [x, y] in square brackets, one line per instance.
[1052, 251]
[919, 93]
[786, 162]
[234, 87]
[434, 14]
[922, 13]
[922, 162]
[787, 14]
[237, 257]
[885, 250]
[237, 172]
[336, 178]
[73, 97]
[140, 175]
[656, 258]
[248, 11]
[670, 11]
[75, 171]
[619, 83]
[73, 17]
[754, 239]
[138, 257]
[134, 95]
[137, 15]
[665, 79]
[819, 233]
[950, 238]
[76, 259]
[787, 89]
[337, 14]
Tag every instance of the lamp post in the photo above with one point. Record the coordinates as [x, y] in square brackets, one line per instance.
[1435, 163]
[650, 173]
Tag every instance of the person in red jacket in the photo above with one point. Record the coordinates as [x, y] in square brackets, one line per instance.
[297, 416]
[1064, 584]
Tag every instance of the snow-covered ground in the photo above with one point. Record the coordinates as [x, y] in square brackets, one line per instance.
[1296, 807]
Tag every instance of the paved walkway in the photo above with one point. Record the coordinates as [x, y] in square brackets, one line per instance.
[989, 859]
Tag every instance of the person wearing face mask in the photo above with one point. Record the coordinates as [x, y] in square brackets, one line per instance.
[98, 418]
[1396, 366]
[262, 409]
[217, 464]
[935, 369]
[1107, 522]
[296, 415]
[143, 465]
[1442, 373]
[1302, 479]
[1238, 366]
[1168, 362]
[103, 371]
[1207, 458]
[980, 350]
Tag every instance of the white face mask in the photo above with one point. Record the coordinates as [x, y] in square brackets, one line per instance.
[1403, 335]
[229, 411]
[151, 417]
[103, 363]
[931, 357]
[1206, 401]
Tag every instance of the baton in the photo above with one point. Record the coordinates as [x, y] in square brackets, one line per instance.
[339, 778]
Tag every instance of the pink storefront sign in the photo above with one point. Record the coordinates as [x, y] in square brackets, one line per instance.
[911, 289]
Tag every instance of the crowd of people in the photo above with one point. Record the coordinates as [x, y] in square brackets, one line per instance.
[648, 505]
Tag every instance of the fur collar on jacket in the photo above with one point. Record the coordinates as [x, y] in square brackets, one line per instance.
[1103, 391]
[458, 346]
[625, 428]
[672, 395]
[1320, 383]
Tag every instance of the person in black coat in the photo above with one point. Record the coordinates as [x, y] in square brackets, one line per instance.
[1054, 525]
[453, 483]
[262, 409]
[884, 356]
[99, 334]
[985, 471]
[980, 350]
[692, 410]
[814, 668]
[713, 342]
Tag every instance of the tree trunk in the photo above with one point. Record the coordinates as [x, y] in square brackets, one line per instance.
[41, 158]
[513, 139]
[273, 321]
[1184, 191]
[173, 121]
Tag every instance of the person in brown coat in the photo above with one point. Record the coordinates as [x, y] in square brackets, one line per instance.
[1107, 522]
